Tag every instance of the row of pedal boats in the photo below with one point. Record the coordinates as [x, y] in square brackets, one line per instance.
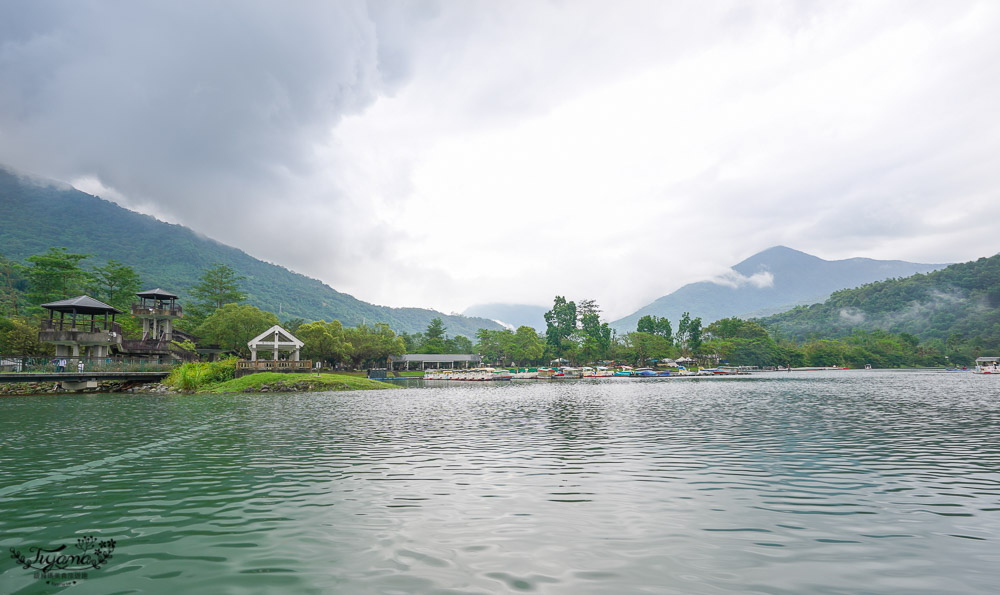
[569, 373]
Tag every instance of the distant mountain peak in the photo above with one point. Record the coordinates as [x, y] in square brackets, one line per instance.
[771, 281]
[776, 258]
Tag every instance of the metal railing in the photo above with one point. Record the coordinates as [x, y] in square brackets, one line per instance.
[140, 309]
[22, 364]
[80, 326]
[263, 365]
[161, 347]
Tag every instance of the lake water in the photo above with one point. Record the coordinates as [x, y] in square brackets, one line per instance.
[809, 482]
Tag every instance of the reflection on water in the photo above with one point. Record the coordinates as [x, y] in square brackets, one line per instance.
[841, 482]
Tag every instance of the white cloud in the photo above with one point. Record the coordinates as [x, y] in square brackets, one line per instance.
[734, 279]
[852, 315]
[444, 154]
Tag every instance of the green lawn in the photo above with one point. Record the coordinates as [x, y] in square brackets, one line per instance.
[410, 374]
[309, 382]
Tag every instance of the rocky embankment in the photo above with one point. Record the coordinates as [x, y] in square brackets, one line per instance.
[105, 386]
[300, 386]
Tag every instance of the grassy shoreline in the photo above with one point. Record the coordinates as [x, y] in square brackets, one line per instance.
[219, 377]
[276, 382]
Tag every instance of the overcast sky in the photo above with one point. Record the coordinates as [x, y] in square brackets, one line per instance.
[442, 154]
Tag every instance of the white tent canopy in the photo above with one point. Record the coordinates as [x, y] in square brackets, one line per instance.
[275, 340]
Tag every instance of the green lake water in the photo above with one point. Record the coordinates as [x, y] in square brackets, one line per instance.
[813, 482]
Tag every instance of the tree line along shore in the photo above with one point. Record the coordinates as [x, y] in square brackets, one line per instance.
[217, 315]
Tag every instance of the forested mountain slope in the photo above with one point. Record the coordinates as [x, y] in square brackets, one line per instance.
[38, 215]
[958, 303]
[771, 281]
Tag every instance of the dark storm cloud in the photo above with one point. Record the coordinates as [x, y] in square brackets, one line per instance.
[188, 104]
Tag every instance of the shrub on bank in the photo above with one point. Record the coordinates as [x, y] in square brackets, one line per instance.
[194, 375]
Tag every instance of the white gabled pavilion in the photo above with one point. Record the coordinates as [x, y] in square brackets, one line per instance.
[275, 339]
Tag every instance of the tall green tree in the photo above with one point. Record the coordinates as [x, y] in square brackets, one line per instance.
[55, 275]
[436, 329]
[12, 287]
[596, 335]
[495, 346]
[324, 341]
[459, 344]
[640, 347]
[694, 335]
[372, 345]
[528, 346]
[655, 325]
[115, 284]
[292, 324]
[434, 337]
[682, 330]
[233, 325]
[560, 324]
[219, 285]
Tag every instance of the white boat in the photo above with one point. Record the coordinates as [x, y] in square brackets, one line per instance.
[474, 374]
[987, 365]
[567, 372]
[524, 373]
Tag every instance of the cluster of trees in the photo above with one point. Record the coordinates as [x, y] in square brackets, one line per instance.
[54, 275]
[955, 309]
[576, 333]
[748, 342]
[216, 316]
[522, 346]
[807, 336]
[434, 340]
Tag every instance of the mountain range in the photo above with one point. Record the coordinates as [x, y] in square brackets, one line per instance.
[39, 214]
[955, 305]
[771, 281]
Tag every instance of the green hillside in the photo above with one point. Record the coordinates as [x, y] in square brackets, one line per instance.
[957, 304]
[786, 278]
[37, 216]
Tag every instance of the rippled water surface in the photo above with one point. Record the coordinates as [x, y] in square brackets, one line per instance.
[839, 482]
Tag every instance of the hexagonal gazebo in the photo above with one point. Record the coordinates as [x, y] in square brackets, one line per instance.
[82, 328]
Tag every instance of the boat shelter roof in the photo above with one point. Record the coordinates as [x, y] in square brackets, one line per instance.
[83, 304]
[161, 294]
[435, 357]
[987, 359]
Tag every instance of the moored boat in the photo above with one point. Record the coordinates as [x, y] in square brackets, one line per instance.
[524, 373]
[567, 372]
[546, 373]
[473, 374]
[987, 365]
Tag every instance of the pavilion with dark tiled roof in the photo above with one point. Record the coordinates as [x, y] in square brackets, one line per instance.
[82, 322]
